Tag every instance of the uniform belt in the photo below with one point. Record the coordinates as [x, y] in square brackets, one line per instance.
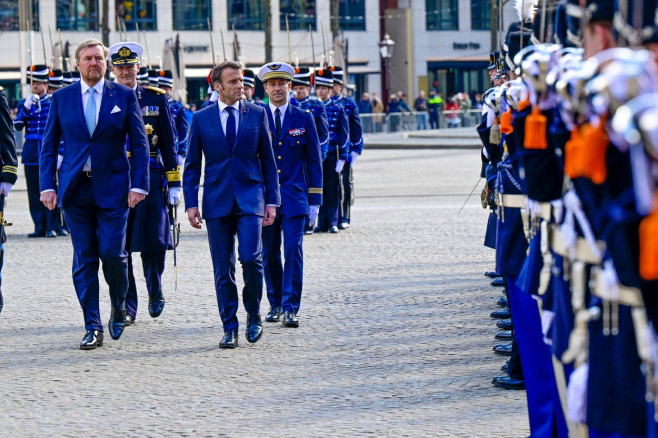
[545, 210]
[583, 251]
[510, 201]
[627, 296]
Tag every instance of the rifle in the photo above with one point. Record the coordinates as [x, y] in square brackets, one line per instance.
[175, 237]
[3, 239]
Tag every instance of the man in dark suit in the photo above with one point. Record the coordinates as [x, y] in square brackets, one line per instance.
[97, 183]
[299, 160]
[241, 194]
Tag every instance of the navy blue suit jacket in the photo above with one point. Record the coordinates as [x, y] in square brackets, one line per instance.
[111, 173]
[299, 160]
[246, 174]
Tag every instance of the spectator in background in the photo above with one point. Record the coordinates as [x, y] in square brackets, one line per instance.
[421, 107]
[395, 107]
[189, 111]
[452, 113]
[365, 107]
[477, 104]
[377, 108]
[434, 105]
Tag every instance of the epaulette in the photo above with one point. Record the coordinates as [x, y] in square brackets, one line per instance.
[308, 111]
[156, 89]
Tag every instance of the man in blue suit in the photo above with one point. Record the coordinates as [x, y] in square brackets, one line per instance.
[299, 160]
[241, 194]
[97, 184]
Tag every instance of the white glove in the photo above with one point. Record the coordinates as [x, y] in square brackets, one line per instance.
[339, 166]
[313, 211]
[5, 188]
[353, 157]
[29, 101]
[180, 160]
[60, 158]
[173, 195]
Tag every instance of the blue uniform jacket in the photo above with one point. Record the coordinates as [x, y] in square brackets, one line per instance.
[356, 131]
[321, 122]
[34, 122]
[7, 143]
[111, 174]
[339, 131]
[299, 162]
[181, 125]
[246, 175]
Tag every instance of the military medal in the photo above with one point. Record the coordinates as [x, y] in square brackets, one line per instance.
[154, 140]
[149, 129]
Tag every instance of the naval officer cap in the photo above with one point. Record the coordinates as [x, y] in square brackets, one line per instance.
[125, 53]
[276, 70]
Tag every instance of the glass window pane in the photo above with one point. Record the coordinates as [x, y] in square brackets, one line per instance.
[191, 14]
[352, 14]
[10, 16]
[480, 13]
[442, 14]
[300, 13]
[81, 15]
[245, 14]
[133, 12]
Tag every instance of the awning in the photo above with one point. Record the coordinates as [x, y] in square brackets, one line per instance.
[10, 75]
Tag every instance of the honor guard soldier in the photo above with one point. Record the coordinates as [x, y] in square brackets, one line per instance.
[297, 150]
[166, 81]
[32, 115]
[143, 76]
[9, 162]
[249, 86]
[67, 78]
[55, 81]
[355, 146]
[149, 223]
[337, 153]
[492, 68]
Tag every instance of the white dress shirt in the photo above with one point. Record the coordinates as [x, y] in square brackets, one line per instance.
[223, 115]
[98, 95]
[283, 108]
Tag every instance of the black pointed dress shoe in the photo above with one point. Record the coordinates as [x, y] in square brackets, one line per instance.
[500, 314]
[156, 306]
[505, 366]
[274, 315]
[333, 229]
[508, 382]
[505, 324]
[229, 340]
[504, 349]
[491, 274]
[62, 232]
[117, 323]
[37, 234]
[289, 319]
[130, 320]
[254, 328]
[498, 281]
[505, 335]
[51, 234]
[502, 302]
[93, 339]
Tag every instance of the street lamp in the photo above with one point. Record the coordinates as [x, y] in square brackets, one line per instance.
[386, 47]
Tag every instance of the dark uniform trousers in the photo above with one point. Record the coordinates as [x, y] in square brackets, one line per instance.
[346, 193]
[221, 238]
[85, 218]
[328, 216]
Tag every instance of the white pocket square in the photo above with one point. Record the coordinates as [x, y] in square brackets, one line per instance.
[116, 109]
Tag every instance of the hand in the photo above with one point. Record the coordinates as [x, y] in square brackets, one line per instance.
[135, 198]
[339, 165]
[5, 188]
[353, 157]
[49, 199]
[30, 100]
[270, 214]
[173, 195]
[60, 158]
[312, 214]
[180, 160]
[194, 217]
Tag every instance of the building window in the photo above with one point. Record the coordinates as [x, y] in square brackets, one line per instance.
[352, 14]
[134, 12]
[191, 14]
[442, 14]
[79, 15]
[245, 14]
[300, 13]
[11, 17]
[480, 14]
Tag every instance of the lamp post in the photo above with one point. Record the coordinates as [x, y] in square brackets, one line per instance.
[386, 47]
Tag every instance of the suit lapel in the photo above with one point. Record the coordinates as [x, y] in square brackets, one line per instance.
[78, 111]
[244, 114]
[106, 103]
[214, 116]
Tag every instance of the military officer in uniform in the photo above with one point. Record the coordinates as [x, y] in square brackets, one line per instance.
[336, 156]
[32, 115]
[355, 146]
[148, 223]
[166, 81]
[297, 150]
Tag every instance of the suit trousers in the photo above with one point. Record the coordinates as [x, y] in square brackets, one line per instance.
[96, 233]
[44, 219]
[284, 282]
[153, 264]
[221, 238]
[328, 216]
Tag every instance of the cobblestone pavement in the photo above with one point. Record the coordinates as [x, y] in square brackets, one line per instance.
[395, 337]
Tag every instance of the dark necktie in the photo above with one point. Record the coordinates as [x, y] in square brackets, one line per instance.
[230, 127]
[277, 122]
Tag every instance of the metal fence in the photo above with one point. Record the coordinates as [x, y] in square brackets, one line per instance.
[417, 121]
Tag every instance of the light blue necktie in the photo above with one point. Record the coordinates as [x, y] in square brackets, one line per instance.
[90, 111]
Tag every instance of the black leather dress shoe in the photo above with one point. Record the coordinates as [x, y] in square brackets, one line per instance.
[130, 320]
[309, 231]
[289, 319]
[93, 339]
[274, 315]
[505, 335]
[505, 324]
[333, 229]
[505, 366]
[343, 226]
[254, 328]
[500, 314]
[502, 302]
[492, 274]
[509, 383]
[37, 234]
[504, 349]
[117, 323]
[498, 281]
[320, 230]
[230, 339]
[51, 234]
[63, 232]
[156, 306]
